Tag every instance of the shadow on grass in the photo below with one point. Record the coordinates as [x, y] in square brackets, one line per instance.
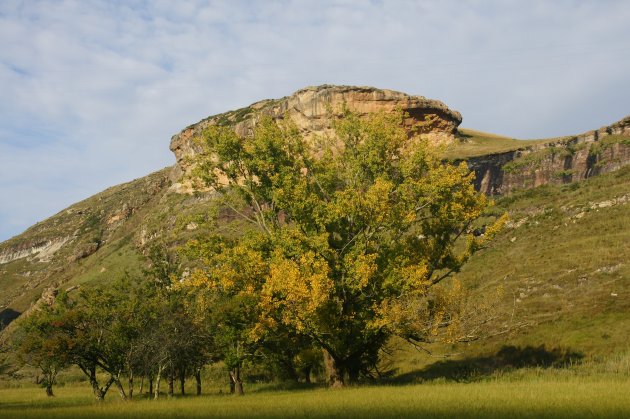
[7, 316]
[506, 359]
[49, 403]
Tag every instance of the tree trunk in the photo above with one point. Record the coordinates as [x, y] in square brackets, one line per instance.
[90, 372]
[182, 380]
[307, 374]
[289, 368]
[50, 374]
[131, 386]
[236, 383]
[158, 376]
[156, 394]
[334, 373]
[121, 389]
[353, 375]
[232, 383]
[141, 386]
[171, 380]
[198, 379]
[150, 386]
[99, 393]
[95, 387]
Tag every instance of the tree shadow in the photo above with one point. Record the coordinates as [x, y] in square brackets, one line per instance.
[506, 359]
[7, 316]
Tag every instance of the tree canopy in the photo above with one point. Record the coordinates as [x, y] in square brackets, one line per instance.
[351, 235]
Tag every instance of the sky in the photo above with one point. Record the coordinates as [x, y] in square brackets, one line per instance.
[92, 91]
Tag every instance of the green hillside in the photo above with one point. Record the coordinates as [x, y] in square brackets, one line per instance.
[563, 264]
[91, 231]
[563, 260]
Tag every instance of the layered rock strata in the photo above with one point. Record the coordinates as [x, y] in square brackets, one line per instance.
[565, 160]
[313, 109]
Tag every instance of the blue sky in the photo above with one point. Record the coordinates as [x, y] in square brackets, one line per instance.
[92, 91]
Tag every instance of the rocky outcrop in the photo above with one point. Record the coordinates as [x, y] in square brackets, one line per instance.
[85, 251]
[565, 160]
[49, 295]
[42, 250]
[312, 109]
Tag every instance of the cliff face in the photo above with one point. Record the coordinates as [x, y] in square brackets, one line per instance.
[313, 109]
[564, 160]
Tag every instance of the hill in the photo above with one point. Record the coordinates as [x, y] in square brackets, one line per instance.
[562, 259]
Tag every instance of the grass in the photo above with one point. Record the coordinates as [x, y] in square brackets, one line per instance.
[471, 143]
[595, 388]
[563, 263]
[536, 397]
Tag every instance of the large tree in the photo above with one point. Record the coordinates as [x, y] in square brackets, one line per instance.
[351, 235]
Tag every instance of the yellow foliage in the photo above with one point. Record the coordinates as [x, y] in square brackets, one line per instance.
[346, 245]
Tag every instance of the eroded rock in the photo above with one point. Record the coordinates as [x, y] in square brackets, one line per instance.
[312, 109]
[565, 160]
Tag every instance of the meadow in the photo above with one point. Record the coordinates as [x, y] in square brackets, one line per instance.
[534, 394]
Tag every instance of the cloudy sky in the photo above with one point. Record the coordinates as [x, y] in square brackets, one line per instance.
[92, 91]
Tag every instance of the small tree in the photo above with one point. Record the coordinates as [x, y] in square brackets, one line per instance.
[90, 321]
[179, 343]
[93, 329]
[39, 344]
[352, 235]
[227, 300]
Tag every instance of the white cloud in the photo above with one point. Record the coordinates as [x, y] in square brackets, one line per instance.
[91, 91]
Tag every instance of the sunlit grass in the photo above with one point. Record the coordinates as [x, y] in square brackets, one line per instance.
[540, 397]
[471, 143]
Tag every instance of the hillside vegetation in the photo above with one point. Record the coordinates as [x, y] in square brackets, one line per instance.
[562, 263]
[563, 260]
[103, 227]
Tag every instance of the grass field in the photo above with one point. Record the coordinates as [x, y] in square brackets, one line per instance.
[546, 396]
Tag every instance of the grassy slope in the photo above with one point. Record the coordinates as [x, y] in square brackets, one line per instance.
[563, 263]
[471, 143]
[23, 280]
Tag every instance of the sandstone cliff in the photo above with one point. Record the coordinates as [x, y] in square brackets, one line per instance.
[563, 160]
[313, 108]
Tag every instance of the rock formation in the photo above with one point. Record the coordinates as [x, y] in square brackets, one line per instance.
[565, 160]
[313, 108]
